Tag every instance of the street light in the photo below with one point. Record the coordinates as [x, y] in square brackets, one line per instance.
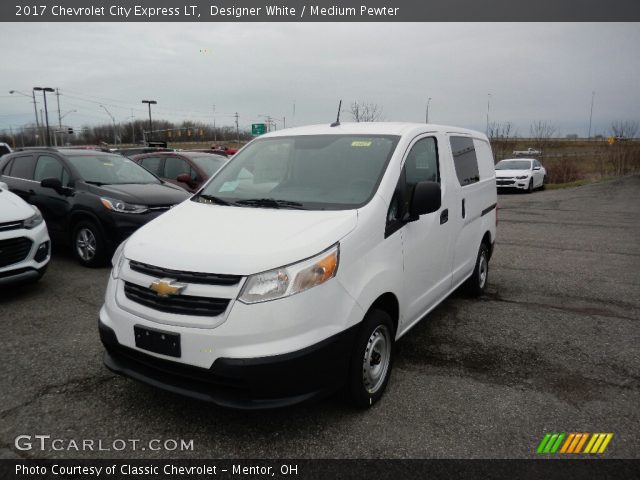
[427, 117]
[46, 112]
[150, 102]
[115, 140]
[35, 106]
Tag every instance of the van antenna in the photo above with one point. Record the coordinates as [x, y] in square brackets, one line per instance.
[337, 122]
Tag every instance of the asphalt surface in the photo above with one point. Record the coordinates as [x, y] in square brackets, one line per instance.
[552, 347]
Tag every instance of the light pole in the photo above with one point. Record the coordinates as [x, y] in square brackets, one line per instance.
[593, 95]
[46, 112]
[35, 105]
[150, 102]
[426, 120]
[488, 104]
[115, 140]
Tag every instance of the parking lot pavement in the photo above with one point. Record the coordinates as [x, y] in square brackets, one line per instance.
[552, 347]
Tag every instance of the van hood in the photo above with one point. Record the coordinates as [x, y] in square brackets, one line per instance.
[511, 173]
[13, 208]
[233, 240]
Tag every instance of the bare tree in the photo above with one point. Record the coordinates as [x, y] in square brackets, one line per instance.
[502, 138]
[542, 133]
[624, 129]
[365, 112]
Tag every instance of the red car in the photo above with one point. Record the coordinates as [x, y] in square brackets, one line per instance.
[223, 150]
[188, 170]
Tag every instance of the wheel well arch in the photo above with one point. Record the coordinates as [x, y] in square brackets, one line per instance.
[388, 302]
[486, 239]
[79, 216]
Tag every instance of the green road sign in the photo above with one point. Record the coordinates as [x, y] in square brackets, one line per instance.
[258, 129]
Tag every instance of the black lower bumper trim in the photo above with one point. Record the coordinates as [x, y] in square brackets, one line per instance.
[251, 383]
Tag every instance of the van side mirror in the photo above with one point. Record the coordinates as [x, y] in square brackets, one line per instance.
[54, 183]
[427, 198]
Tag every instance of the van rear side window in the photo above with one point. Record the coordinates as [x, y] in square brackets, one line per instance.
[465, 160]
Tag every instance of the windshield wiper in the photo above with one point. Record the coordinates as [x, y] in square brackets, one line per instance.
[270, 203]
[95, 183]
[211, 199]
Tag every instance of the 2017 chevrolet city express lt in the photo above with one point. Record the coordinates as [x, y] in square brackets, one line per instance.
[293, 271]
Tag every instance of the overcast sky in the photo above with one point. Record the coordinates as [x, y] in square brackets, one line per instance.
[540, 71]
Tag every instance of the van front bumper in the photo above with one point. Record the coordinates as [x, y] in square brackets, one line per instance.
[244, 383]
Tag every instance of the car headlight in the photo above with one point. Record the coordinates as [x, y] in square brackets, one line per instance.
[291, 279]
[34, 220]
[122, 207]
[522, 177]
[117, 261]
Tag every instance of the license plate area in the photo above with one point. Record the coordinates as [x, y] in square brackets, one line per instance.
[157, 341]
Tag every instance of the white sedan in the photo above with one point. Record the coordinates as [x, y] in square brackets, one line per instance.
[25, 248]
[521, 173]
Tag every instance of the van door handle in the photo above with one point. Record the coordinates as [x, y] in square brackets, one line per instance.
[444, 216]
[464, 213]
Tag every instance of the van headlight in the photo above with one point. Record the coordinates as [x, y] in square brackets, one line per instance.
[291, 279]
[117, 261]
[34, 220]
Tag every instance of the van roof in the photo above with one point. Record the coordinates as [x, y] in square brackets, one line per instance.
[373, 128]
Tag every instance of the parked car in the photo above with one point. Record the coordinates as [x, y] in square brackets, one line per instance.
[130, 152]
[223, 150]
[296, 268]
[188, 170]
[90, 199]
[25, 248]
[521, 173]
[528, 151]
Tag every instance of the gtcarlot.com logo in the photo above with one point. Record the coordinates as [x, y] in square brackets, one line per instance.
[572, 443]
[49, 443]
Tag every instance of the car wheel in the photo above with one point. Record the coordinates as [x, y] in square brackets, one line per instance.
[544, 179]
[88, 244]
[476, 284]
[530, 187]
[371, 360]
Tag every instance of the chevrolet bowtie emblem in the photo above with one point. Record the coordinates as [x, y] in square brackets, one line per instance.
[165, 287]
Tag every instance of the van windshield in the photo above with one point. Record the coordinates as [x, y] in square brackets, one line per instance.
[316, 172]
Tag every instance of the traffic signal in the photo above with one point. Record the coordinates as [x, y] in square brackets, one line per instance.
[70, 131]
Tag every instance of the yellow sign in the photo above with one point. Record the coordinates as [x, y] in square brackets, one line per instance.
[611, 140]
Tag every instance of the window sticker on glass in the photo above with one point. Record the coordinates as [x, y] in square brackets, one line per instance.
[361, 143]
[229, 186]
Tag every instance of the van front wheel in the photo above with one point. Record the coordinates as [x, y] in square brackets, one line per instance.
[477, 282]
[371, 360]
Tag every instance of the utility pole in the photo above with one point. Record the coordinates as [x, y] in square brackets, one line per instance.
[150, 102]
[55, 136]
[593, 94]
[215, 133]
[237, 130]
[44, 91]
[488, 103]
[133, 127]
[115, 140]
[426, 120]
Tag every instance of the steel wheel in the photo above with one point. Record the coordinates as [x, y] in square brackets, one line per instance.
[377, 357]
[86, 244]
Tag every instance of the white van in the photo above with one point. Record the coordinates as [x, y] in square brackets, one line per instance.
[294, 270]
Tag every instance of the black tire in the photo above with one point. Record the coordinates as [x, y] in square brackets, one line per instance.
[89, 234]
[544, 179]
[364, 388]
[530, 188]
[476, 284]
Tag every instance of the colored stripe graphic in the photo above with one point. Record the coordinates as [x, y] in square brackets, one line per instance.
[574, 443]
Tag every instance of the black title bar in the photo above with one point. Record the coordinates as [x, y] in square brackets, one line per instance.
[320, 11]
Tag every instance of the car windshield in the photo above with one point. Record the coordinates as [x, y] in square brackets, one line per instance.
[323, 172]
[110, 170]
[209, 163]
[514, 165]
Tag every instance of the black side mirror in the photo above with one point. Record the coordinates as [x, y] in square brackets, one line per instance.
[54, 183]
[427, 198]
